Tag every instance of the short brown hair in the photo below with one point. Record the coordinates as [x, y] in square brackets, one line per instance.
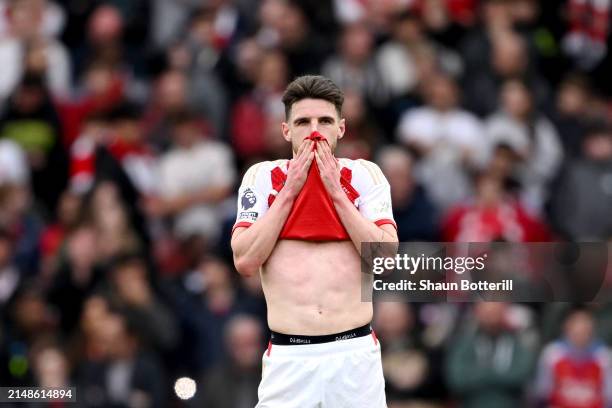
[314, 87]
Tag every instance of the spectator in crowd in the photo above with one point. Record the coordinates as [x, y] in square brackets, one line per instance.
[509, 59]
[113, 31]
[90, 346]
[229, 22]
[76, 277]
[130, 291]
[521, 126]
[20, 220]
[211, 302]
[102, 88]
[128, 146]
[103, 40]
[489, 364]
[242, 68]
[413, 211]
[26, 19]
[363, 136]
[554, 314]
[28, 319]
[584, 197]
[408, 36]
[202, 64]
[112, 151]
[256, 115]
[115, 231]
[251, 297]
[167, 19]
[95, 134]
[541, 31]
[69, 214]
[494, 17]
[234, 384]
[589, 24]
[411, 369]
[51, 367]
[31, 120]
[449, 141]
[355, 68]
[446, 21]
[494, 215]
[406, 33]
[124, 374]
[575, 370]
[195, 175]
[171, 96]
[284, 25]
[572, 112]
[54, 18]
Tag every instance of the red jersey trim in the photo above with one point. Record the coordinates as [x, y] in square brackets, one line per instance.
[241, 224]
[386, 221]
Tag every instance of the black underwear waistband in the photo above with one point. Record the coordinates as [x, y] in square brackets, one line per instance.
[296, 340]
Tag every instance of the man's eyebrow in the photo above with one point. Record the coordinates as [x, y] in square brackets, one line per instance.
[299, 118]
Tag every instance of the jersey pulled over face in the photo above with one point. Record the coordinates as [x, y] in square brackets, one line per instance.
[313, 216]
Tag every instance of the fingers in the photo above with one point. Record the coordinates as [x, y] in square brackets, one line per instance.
[330, 155]
[325, 155]
[301, 163]
[306, 156]
[309, 160]
[302, 154]
[301, 148]
[324, 148]
[305, 149]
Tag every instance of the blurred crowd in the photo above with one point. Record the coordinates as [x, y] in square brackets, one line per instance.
[125, 128]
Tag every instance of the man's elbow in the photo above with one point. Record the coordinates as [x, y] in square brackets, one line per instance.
[246, 267]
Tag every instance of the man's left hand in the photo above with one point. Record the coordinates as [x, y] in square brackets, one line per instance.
[329, 169]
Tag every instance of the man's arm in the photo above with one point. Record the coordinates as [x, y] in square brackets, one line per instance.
[253, 245]
[358, 227]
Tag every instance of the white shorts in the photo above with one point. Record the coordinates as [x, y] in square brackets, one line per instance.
[345, 373]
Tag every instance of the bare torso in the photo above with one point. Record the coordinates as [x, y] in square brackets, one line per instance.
[314, 288]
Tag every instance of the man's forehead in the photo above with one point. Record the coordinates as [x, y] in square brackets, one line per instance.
[311, 108]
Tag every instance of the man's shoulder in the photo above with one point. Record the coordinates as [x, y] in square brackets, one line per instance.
[264, 168]
[363, 170]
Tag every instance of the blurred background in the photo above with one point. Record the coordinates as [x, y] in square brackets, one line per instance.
[126, 126]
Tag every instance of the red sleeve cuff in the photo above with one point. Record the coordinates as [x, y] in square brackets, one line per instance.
[386, 221]
[241, 224]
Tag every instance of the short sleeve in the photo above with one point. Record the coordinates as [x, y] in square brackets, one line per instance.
[252, 199]
[375, 199]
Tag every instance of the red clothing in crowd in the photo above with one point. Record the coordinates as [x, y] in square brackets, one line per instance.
[136, 159]
[506, 220]
[73, 112]
[570, 378]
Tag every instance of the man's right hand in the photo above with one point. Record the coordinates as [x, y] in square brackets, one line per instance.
[298, 169]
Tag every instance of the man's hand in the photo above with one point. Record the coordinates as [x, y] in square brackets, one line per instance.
[329, 169]
[298, 169]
